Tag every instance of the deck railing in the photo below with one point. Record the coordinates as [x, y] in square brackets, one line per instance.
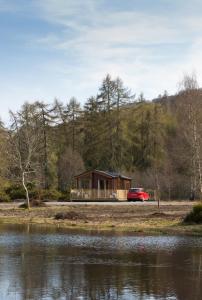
[93, 194]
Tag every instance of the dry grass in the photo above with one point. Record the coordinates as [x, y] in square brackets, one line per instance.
[135, 218]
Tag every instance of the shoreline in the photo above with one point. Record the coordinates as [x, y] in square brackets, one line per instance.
[178, 229]
[133, 219]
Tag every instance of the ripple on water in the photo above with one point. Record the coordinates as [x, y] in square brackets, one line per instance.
[126, 243]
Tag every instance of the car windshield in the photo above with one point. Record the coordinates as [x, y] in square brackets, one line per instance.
[136, 190]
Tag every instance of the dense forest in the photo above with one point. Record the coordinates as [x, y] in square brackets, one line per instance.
[157, 143]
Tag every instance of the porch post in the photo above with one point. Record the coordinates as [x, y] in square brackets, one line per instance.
[98, 188]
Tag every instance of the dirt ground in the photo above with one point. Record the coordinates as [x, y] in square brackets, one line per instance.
[145, 218]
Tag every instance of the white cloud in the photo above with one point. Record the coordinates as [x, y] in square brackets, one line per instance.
[69, 13]
[121, 43]
[149, 51]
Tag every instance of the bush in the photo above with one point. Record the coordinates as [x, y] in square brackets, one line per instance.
[15, 191]
[50, 194]
[65, 196]
[34, 194]
[4, 197]
[195, 216]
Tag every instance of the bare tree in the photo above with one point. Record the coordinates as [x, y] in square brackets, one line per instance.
[24, 140]
[3, 152]
[191, 101]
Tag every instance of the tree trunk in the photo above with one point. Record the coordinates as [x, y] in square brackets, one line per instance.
[46, 183]
[26, 190]
[157, 187]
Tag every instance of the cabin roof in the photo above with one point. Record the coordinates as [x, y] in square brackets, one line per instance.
[105, 173]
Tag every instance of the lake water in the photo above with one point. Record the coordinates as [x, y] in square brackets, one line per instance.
[39, 263]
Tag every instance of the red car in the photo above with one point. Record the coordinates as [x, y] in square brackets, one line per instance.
[137, 194]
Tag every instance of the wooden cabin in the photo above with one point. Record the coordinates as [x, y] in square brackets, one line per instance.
[100, 185]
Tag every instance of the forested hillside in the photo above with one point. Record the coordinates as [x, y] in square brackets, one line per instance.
[157, 143]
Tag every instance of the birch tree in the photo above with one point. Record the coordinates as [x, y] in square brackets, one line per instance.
[24, 139]
[191, 120]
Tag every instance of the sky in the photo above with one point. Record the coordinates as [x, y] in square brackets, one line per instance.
[63, 48]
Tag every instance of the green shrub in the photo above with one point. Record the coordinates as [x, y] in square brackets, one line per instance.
[50, 194]
[65, 196]
[4, 197]
[15, 191]
[195, 216]
[34, 193]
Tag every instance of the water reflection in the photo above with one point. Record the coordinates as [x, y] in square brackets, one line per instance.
[38, 263]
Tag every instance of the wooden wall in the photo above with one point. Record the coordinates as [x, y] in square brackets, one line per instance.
[112, 183]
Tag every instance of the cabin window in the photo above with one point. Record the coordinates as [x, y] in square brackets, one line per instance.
[102, 184]
[85, 183]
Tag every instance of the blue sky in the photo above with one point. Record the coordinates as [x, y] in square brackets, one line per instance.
[64, 48]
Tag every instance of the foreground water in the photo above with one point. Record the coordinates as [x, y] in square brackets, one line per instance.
[38, 263]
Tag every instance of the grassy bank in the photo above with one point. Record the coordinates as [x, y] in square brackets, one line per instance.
[146, 219]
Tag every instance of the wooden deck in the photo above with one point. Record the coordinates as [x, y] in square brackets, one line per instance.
[94, 195]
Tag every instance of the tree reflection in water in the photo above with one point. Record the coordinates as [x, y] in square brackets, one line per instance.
[42, 264]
